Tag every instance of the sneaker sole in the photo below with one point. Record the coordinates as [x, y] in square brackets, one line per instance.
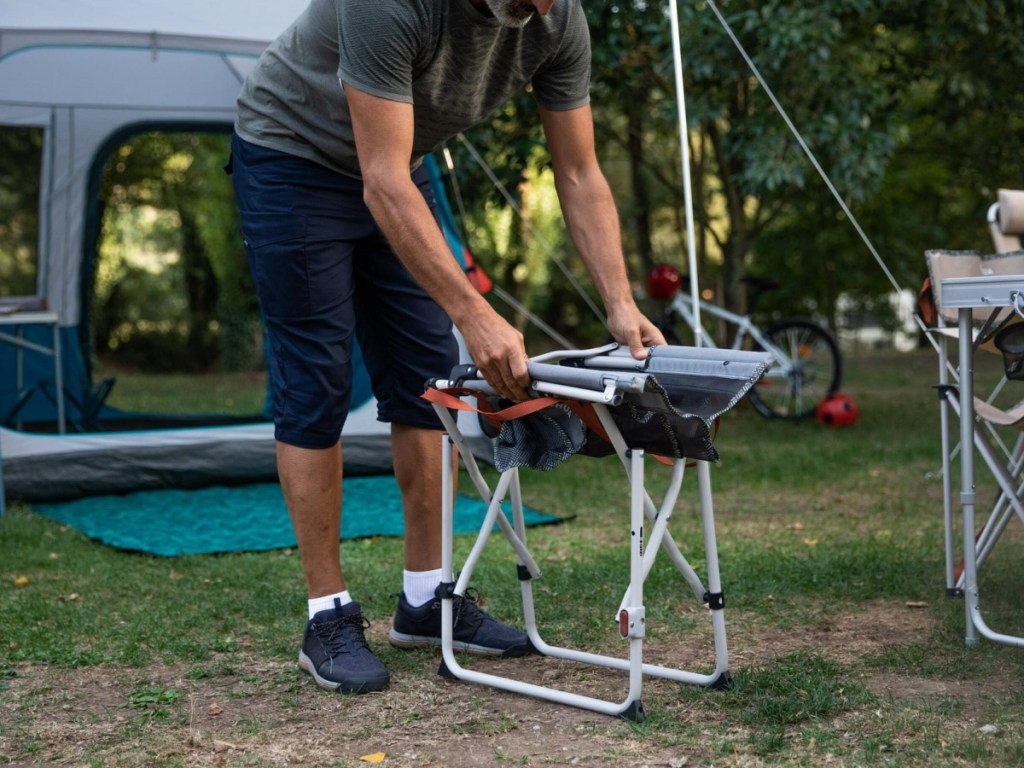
[401, 640]
[363, 686]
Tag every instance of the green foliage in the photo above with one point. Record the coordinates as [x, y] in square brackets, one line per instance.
[172, 289]
[20, 164]
[914, 141]
[906, 105]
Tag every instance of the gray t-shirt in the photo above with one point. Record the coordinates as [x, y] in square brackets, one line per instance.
[452, 63]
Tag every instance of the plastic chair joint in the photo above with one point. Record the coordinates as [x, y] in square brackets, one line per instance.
[446, 591]
[715, 600]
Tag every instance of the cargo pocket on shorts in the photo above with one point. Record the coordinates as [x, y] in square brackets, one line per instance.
[276, 248]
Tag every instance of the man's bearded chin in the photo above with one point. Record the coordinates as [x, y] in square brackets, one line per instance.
[511, 13]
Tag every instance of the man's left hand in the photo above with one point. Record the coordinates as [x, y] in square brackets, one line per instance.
[633, 329]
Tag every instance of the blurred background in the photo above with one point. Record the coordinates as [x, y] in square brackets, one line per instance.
[909, 107]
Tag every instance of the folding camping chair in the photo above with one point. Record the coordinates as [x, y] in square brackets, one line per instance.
[1006, 225]
[600, 402]
[990, 327]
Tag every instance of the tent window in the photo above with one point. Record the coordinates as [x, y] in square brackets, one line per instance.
[21, 152]
[171, 295]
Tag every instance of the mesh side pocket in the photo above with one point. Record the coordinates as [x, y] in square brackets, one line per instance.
[1010, 342]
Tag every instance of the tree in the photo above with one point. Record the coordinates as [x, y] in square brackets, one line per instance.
[172, 288]
[959, 135]
[20, 162]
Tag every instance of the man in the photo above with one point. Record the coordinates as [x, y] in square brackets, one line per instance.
[341, 241]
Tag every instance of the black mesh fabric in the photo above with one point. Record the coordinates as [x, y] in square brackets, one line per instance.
[647, 420]
[652, 422]
[1010, 341]
[540, 440]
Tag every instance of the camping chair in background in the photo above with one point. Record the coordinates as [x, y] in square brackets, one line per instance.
[86, 406]
[944, 264]
[600, 402]
[996, 330]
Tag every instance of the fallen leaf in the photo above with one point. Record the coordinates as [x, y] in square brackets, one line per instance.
[214, 709]
[223, 746]
[21, 581]
[71, 598]
[810, 542]
[376, 757]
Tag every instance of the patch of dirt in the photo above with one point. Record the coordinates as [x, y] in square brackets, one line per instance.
[266, 713]
[844, 638]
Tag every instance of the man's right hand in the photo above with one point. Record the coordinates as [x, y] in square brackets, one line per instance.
[498, 351]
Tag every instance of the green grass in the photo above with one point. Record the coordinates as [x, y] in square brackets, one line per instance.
[236, 393]
[813, 524]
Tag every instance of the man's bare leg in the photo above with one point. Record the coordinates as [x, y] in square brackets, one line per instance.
[311, 481]
[417, 458]
[416, 453]
[334, 649]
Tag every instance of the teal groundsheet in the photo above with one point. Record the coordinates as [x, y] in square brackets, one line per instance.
[242, 518]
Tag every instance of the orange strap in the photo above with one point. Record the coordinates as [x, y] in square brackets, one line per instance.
[447, 398]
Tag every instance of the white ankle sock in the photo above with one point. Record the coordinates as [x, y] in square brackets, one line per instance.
[419, 586]
[325, 603]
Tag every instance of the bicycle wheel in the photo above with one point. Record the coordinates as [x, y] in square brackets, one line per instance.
[808, 368]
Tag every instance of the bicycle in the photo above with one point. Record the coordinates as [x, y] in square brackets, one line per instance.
[808, 366]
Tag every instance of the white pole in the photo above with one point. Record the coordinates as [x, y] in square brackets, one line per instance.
[684, 144]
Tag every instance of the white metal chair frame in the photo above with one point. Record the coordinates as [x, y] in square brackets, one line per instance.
[645, 516]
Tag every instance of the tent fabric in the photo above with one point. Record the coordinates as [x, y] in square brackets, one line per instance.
[212, 25]
[87, 70]
[47, 467]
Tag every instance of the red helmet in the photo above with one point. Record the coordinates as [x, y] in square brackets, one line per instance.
[664, 282]
[837, 410]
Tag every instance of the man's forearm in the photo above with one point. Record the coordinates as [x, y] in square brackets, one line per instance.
[593, 224]
[406, 221]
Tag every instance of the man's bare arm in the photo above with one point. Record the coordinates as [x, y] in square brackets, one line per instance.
[384, 136]
[593, 223]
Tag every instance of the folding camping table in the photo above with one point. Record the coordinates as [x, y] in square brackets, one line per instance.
[667, 405]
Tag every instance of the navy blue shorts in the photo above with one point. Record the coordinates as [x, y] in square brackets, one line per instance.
[325, 274]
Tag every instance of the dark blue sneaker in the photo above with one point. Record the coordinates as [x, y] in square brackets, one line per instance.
[335, 652]
[475, 631]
